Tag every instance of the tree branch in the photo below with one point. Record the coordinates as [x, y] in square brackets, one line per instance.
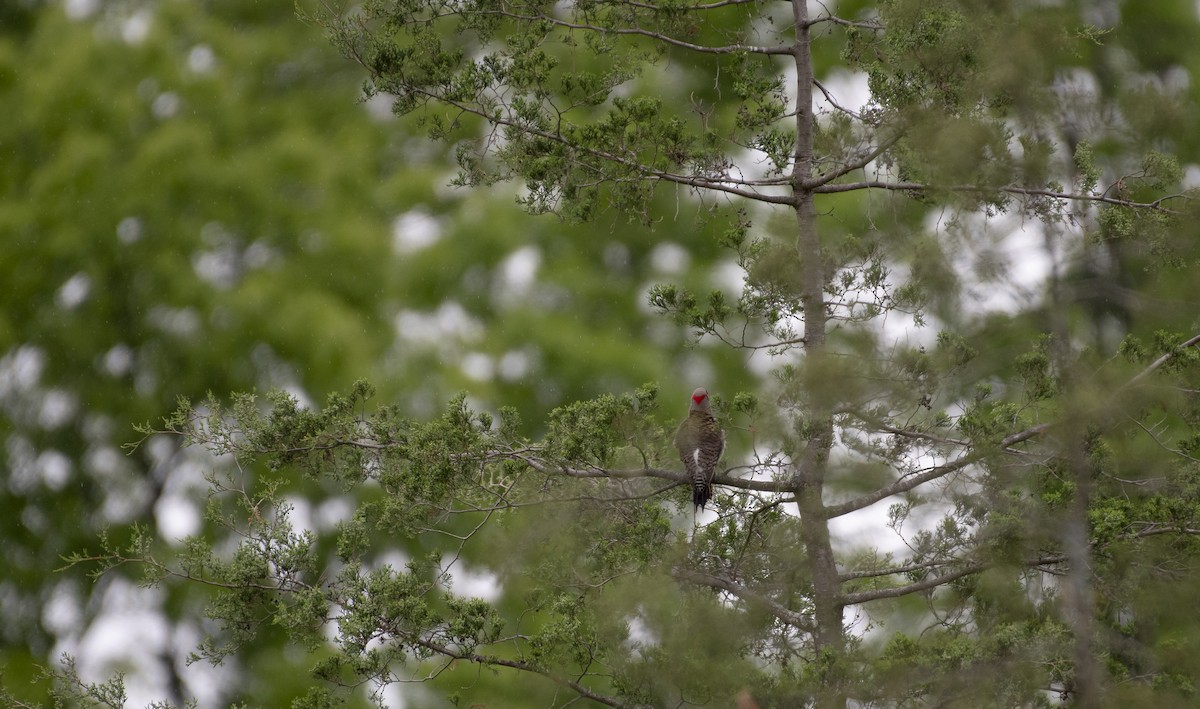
[858, 164]
[648, 472]
[727, 185]
[791, 617]
[1156, 205]
[935, 581]
[1195, 340]
[832, 19]
[905, 433]
[640, 32]
[907, 483]
[517, 665]
[892, 570]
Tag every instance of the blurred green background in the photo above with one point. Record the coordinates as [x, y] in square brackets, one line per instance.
[194, 198]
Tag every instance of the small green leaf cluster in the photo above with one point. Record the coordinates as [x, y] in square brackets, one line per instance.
[1035, 370]
[987, 420]
[68, 689]
[591, 432]
[703, 316]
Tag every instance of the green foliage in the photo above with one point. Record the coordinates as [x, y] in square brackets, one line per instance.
[258, 248]
[434, 473]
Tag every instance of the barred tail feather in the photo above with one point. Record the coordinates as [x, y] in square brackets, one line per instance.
[701, 492]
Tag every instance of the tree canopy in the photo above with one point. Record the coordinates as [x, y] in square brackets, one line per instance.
[957, 368]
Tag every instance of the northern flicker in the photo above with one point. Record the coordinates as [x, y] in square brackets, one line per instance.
[700, 442]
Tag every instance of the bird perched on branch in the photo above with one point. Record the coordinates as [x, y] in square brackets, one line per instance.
[700, 442]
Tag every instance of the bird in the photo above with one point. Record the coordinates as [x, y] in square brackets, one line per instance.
[700, 442]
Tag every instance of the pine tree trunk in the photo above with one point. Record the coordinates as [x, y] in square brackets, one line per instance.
[1079, 604]
[809, 471]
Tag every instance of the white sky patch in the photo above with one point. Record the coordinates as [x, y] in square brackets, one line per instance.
[135, 29]
[729, 277]
[333, 511]
[473, 583]
[74, 292]
[866, 528]
[518, 272]
[80, 9]
[1003, 260]
[449, 322]
[201, 60]
[217, 268]
[96, 428]
[848, 88]
[21, 370]
[129, 634]
[177, 517]
[696, 368]
[704, 517]
[670, 258]
[105, 461]
[1025, 250]
[58, 408]
[204, 680]
[118, 360]
[181, 322]
[62, 613]
[22, 464]
[1191, 177]
[160, 448]
[379, 107]
[478, 366]
[259, 254]
[394, 558]
[54, 467]
[301, 514]
[125, 494]
[145, 381]
[166, 105]
[640, 633]
[761, 363]
[1077, 83]
[393, 695]
[129, 230]
[178, 511]
[515, 365]
[415, 230]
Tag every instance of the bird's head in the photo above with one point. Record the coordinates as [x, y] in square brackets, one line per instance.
[700, 400]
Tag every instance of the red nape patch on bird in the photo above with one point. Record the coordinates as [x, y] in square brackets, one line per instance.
[699, 397]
